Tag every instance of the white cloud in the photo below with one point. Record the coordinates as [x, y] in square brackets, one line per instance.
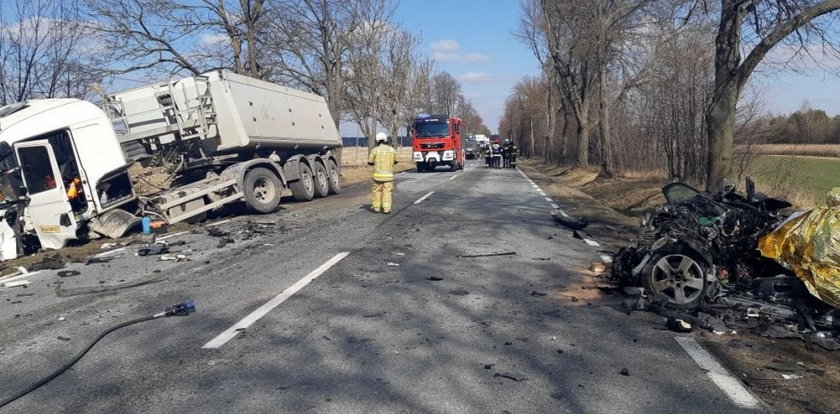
[213, 39]
[477, 77]
[445, 45]
[448, 50]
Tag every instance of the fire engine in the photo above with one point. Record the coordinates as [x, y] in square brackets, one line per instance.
[437, 141]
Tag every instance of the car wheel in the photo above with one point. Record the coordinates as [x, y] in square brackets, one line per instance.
[677, 275]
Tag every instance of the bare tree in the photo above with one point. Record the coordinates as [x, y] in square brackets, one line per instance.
[44, 51]
[756, 26]
[310, 42]
[445, 92]
[397, 79]
[365, 73]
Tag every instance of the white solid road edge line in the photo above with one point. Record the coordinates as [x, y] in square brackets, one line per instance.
[424, 197]
[254, 316]
[453, 177]
[718, 374]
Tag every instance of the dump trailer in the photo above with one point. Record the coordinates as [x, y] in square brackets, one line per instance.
[224, 138]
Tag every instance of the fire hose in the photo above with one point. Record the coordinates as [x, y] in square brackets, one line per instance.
[181, 309]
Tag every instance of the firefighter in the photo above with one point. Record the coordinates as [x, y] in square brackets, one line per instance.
[496, 153]
[509, 150]
[382, 158]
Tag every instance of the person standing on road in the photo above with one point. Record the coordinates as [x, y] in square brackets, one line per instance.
[382, 157]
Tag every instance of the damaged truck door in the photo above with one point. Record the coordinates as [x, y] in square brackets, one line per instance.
[49, 210]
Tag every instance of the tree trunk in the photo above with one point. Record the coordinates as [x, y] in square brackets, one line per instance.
[606, 151]
[531, 136]
[583, 133]
[720, 125]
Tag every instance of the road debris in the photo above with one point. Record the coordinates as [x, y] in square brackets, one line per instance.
[459, 292]
[393, 264]
[563, 218]
[16, 283]
[434, 278]
[679, 325]
[698, 259]
[49, 262]
[507, 376]
[68, 273]
[153, 249]
[466, 256]
[625, 372]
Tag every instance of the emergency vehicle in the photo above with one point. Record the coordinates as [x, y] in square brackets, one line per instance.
[437, 140]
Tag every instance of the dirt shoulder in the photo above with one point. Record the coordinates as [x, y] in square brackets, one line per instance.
[788, 375]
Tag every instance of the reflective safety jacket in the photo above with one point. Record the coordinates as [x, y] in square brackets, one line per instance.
[382, 158]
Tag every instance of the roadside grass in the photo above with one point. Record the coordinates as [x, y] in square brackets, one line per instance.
[809, 150]
[802, 180]
[354, 168]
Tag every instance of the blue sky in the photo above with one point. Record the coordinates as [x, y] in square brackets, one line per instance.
[473, 40]
[488, 59]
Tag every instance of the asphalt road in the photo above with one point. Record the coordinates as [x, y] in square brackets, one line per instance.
[403, 322]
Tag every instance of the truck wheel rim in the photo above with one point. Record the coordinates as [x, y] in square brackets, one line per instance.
[322, 179]
[678, 277]
[307, 181]
[263, 190]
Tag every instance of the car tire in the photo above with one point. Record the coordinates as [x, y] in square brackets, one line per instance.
[677, 274]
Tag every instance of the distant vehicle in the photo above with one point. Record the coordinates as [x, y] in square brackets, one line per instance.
[471, 148]
[437, 140]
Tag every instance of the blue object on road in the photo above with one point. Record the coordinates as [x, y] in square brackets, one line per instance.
[147, 225]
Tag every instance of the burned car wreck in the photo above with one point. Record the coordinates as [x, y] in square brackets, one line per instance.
[698, 256]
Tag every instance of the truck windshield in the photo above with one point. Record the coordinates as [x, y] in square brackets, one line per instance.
[424, 130]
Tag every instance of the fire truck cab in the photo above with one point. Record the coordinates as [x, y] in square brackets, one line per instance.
[437, 140]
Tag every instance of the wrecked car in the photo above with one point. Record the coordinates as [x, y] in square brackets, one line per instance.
[698, 243]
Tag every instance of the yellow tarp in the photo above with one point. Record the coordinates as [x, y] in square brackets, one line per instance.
[810, 246]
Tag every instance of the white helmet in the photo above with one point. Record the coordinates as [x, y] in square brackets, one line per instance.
[381, 137]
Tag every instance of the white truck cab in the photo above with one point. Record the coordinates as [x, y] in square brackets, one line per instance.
[63, 162]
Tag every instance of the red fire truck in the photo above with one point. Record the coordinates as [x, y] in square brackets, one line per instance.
[437, 140]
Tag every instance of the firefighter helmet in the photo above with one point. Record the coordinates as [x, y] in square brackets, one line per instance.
[381, 137]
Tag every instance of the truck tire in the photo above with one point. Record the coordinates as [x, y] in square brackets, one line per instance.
[321, 180]
[304, 188]
[421, 167]
[334, 177]
[262, 190]
[453, 166]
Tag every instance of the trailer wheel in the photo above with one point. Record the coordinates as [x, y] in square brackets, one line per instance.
[262, 190]
[335, 178]
[321, 181]
[303, 189]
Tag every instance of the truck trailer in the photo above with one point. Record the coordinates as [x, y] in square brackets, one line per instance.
[224, 138]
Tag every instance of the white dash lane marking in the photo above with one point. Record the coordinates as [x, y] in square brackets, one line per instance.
[424, 197]
[254, 316]
[718, 374]
[548, 199]
[453, 177]
[555, 205]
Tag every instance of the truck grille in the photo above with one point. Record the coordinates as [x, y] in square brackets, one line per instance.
[432, 146]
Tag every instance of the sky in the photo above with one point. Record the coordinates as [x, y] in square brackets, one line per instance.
[473, 40]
